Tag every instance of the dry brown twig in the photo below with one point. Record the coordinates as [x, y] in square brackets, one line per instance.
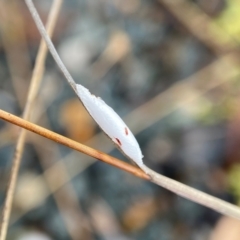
[172, 185]
[72, 144]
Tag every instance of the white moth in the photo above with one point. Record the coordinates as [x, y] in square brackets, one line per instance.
[110, 122]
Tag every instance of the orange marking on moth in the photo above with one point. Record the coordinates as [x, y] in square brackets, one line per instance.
[118, 141]
[126, 131]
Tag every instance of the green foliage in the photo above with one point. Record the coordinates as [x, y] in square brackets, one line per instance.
[229, 20]
[234, 180]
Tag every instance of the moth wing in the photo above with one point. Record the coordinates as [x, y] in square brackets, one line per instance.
[111, 123]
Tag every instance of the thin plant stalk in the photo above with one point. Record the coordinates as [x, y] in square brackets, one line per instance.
[180, 189]
[35, 82]
[50, 45]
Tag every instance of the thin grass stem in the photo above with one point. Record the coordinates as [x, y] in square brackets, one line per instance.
[35, 82]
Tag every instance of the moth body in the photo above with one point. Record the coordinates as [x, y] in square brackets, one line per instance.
[110, 122]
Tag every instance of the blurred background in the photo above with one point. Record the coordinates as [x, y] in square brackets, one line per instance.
[171, 70]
